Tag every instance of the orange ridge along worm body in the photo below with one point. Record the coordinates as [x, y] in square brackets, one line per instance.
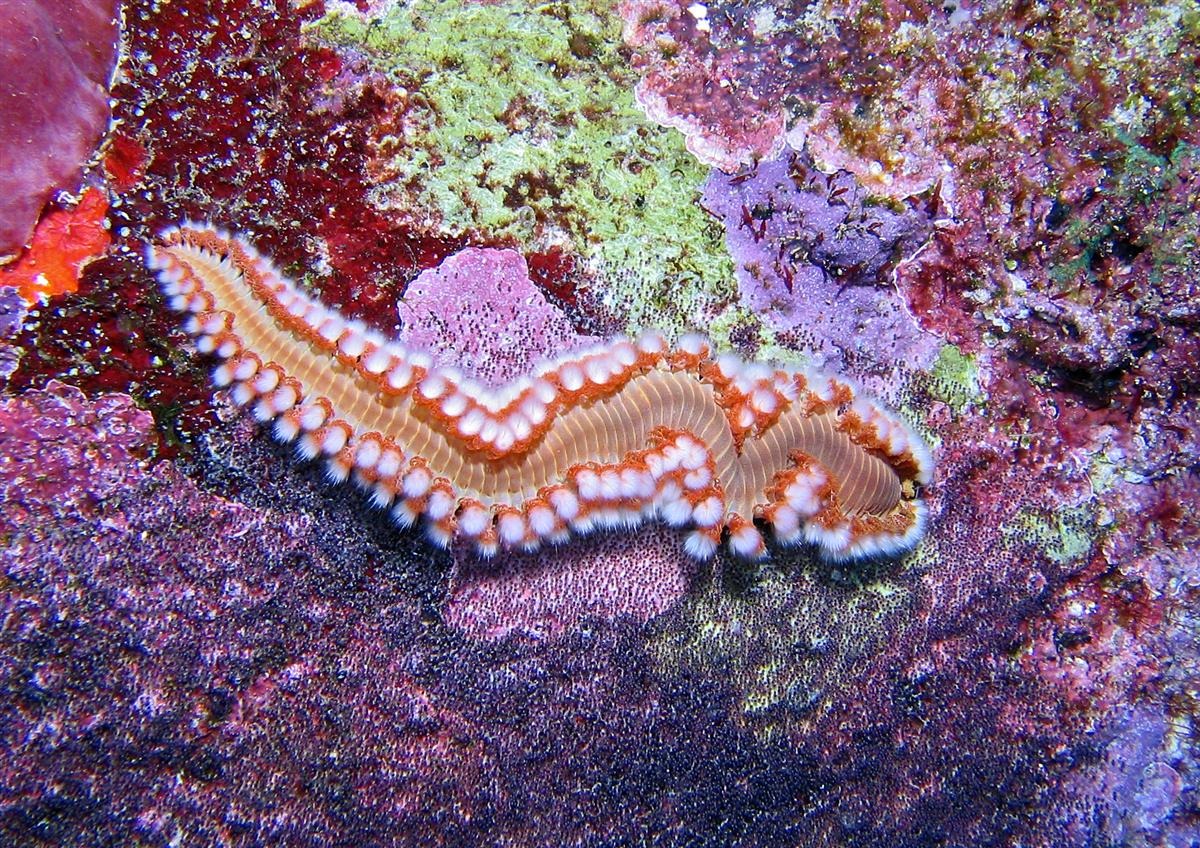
[631, 430]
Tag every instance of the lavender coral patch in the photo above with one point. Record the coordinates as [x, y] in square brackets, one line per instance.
[813, 254]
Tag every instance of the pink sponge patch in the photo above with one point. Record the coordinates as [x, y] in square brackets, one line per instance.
[640, 575]
[480, 312]
[56, 57]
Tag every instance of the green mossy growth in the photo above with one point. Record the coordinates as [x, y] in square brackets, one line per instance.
[955, 379]
[520, 125]
[1066, 535]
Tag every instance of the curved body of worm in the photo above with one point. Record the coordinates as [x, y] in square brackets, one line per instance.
[605, 438]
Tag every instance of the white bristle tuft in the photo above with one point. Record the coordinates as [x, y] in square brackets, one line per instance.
[243, 393]
[382, 494]
[610, 485]
[698, 479]
[505, 438]
[596, 370]
[520, 426]
[730, 365]
[587, 483]
[433, 386]
[471, 423]
[283, 399]
[389, 463]
[542, 520]
[367, 453]
[511, 527]
[400, 376]
[352, 343]
[652, 343]
[312, 417]
[544, 391]
[473, 521]
[676, 512]
[331, 329]
[334, 440]
[266, 381]
[693, 344]
[534, 411]
[571, 377]
[764, 401]
[624, 354]
[699, 545]
[441, 503]
[404, 514]
[833, 541]
[747, 542]
[336, 470]
[246, 368]
[709, 512]
[454, 405]
[286, 429]
[785, 521]
[565, 504]
[378, 362]
[417, 482]
[438, 536]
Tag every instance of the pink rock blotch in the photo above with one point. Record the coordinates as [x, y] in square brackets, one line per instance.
[639, 575]
[480, 312]
[56, 57]
[46, 437]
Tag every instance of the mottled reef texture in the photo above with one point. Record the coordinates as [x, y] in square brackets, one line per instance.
[986, 212]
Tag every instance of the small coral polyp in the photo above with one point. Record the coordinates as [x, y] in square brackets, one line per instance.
[629, 431]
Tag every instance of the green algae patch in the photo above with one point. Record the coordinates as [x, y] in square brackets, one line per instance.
[1065, 535]
[955, 379]
[519, 125]
[790, 644]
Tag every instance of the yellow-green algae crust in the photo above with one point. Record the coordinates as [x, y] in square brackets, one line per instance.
[955, 379]
[1065, 536]
[791, 640]
[521, 126]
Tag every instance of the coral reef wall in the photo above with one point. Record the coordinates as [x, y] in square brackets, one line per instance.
[984, 212]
